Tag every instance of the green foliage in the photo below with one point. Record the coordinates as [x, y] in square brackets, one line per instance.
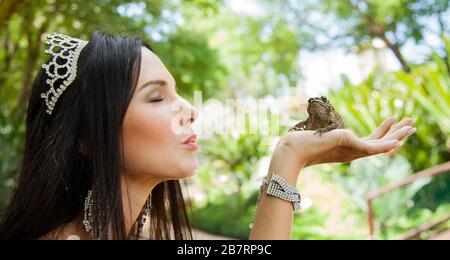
[229, 205]
[362, 17]
[429, 85]
[372, 173]
[238, 156]
[194, 64]
[271, 50]
[310, 225]
[10, 156]
[353, 25]
[228, 215]
[208, 47]
[228, 182]
[423, 94]
[405, 223]
[366, 105]
[187, 53]
[260, 52]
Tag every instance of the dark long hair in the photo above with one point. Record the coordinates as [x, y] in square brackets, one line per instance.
[56, 175]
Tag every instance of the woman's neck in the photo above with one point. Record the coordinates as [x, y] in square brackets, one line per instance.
[135, 191]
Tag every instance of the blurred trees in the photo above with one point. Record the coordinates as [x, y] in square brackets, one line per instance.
[423, 94]
[8, 8]
[224, 53]
[260, 52]
[24, 25]
[394, 21]
[22, 36]
[256, 56]
[350, 23]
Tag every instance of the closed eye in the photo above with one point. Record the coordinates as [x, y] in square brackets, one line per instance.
[156, 99]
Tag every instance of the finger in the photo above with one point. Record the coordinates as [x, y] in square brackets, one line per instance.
[405, 122]
[400, 134]
[379, 134]
[367, 148]
[383, 147]
[392, 152]
[383, 128]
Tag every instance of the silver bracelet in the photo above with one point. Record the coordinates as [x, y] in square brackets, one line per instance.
[279, 188]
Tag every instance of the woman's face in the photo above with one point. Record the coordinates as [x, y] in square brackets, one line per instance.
[157, 136]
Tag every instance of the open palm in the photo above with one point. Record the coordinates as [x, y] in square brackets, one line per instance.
[342, 145]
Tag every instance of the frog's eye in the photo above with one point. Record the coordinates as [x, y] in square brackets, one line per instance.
[324, 99]
[310, 100]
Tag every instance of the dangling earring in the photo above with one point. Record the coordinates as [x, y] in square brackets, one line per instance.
[88, 215]
[145, 213]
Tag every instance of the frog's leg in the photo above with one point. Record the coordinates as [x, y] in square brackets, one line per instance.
[332, 126]
[341, 124]
[298, 127]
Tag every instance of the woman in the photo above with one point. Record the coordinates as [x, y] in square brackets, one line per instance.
[105, 149]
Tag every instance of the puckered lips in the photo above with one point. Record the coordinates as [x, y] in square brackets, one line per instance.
[190, 143]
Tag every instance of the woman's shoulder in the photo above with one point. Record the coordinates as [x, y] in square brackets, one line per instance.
[69, 231]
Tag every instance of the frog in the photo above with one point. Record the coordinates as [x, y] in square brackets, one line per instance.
[322, 117]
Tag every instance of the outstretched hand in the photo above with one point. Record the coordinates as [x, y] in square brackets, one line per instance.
[342, 145]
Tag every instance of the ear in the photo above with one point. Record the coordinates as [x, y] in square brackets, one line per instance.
[82, 146]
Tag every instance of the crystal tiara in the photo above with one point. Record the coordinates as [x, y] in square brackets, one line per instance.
[65, 51]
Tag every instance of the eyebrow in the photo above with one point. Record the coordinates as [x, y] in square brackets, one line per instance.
[154, 82]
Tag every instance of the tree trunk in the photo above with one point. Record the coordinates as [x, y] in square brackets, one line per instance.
[8, 8]
[396, 50]
[33, 51]
[378, 30]
[442, 29]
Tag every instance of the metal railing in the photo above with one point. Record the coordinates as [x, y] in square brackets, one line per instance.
[428, 173]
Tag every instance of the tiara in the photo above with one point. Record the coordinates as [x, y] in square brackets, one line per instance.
[63, 66]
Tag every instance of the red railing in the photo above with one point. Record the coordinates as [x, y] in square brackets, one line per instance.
[428, 173]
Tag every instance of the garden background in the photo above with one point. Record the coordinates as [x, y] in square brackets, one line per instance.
[371, 58]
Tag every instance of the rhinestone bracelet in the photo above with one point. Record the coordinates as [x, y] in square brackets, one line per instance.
[279, 188]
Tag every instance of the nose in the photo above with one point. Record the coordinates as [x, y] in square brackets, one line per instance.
[194, 113]
[190, 114]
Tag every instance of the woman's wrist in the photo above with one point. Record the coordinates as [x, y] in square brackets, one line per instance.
[286, 161]
[274, 216]
[290, 151]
